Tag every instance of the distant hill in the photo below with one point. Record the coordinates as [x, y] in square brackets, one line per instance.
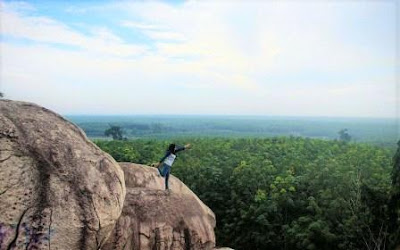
[372, 130]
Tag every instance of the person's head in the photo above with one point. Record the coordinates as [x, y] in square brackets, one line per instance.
[171, 148]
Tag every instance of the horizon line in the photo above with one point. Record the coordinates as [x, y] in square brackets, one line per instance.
[237, 115]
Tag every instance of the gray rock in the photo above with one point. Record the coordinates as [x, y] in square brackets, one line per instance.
[57, 189]
[153, 218]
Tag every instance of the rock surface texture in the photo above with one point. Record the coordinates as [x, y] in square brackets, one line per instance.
[153, 218]
[57, 189]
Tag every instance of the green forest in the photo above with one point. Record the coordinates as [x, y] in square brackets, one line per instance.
[287, 192]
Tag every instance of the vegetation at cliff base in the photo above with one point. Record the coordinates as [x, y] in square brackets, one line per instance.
[286, 192]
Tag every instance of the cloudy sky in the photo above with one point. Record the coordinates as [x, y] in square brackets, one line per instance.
[302, 58]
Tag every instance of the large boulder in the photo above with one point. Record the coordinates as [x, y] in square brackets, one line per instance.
[57, 189]
[153, 218]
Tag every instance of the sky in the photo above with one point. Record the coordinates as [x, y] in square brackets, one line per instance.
[279, 58]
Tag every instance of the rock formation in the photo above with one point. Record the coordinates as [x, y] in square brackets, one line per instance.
[57, 189]
[153, 218]
[60, 191]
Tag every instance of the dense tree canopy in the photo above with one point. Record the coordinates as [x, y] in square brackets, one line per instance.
[396, 171]
[394, 204]
[285, 193]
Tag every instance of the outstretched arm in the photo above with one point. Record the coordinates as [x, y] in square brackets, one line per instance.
[187, 146]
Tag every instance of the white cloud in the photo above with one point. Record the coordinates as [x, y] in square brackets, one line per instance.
[275, 38]
[165, 35]
[221, 57]
[155, 31]
[19, 6]
[142, 26]
[46, 30]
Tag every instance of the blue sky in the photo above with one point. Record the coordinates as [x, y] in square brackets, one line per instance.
[301, 58]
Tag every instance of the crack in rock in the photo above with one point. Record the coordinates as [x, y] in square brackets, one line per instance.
[12, 244]
[98, 244]
[51, 221]
[3, 160]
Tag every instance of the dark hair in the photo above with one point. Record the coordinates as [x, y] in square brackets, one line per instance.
[171, 148]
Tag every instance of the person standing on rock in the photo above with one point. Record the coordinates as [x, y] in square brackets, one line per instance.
[165, 164]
